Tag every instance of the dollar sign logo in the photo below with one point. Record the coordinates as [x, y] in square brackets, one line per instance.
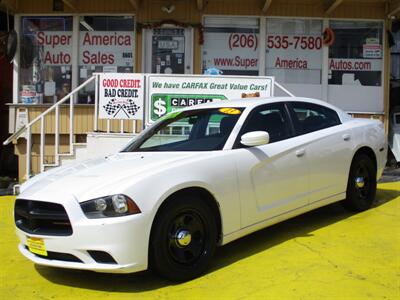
[159, 107]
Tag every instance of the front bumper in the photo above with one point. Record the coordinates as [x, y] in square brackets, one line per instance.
[125, 238]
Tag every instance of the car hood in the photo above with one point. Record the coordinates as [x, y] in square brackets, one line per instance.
[98, 176]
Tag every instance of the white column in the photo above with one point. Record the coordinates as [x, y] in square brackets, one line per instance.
[325, 67]
[75, 56]
[261, 46]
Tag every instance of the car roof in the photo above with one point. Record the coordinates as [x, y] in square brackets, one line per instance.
[253, 102]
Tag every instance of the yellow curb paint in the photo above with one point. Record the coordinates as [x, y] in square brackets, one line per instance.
[325, 254]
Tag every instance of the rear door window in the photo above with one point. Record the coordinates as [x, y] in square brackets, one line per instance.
[309, 117]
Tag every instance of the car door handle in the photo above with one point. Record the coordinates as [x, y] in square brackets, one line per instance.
[346, 137]
[300, 152]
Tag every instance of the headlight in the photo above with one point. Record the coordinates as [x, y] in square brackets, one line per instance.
[110, 206]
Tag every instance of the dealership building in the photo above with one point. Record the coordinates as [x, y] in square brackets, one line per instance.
[338, 51]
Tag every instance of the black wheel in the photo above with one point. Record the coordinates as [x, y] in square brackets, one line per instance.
[361, 186]
[183, 239]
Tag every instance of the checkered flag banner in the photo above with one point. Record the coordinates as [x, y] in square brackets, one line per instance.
[111, 107]
[129, 107]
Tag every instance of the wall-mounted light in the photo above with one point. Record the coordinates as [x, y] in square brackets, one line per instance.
[58, 5]
[168, 8]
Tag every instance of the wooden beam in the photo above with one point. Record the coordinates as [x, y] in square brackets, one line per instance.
[395, 10]
[267, 4]
[72, 4]
[333, 5]
[135, 4]
[11, 5]
[200, 5]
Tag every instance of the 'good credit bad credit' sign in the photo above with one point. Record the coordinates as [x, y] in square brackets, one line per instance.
[169, 93]
[121, 96]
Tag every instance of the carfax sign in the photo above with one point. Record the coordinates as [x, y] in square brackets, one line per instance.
[121, 96]
[166, 93]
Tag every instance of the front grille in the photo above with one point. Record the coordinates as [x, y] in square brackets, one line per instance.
[58, 256]
[42, 218]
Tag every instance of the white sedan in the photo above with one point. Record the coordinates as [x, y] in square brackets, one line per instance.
[196, 179]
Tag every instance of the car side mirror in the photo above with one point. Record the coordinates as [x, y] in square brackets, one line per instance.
[255, 138]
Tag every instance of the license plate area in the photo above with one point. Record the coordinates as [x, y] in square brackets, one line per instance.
[36, 245]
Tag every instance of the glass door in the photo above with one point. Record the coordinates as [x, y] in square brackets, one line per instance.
[168, 50]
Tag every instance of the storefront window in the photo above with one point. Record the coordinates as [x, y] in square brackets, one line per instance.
[355, 58]
[355, 66]
[231, 45]
[106, 44]
[294, 50]
[45, 59]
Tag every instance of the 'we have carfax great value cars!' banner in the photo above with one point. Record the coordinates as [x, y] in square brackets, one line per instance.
[121, 95]
[167, 93]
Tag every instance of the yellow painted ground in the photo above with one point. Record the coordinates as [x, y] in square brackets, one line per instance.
[325, 254]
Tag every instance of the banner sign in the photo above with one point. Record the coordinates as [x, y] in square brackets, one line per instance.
[121, 96]
[169, 93]
[231, 45]
[56, 47]
[231, 51]
[114, 48]
[294, 50]
[354, 64]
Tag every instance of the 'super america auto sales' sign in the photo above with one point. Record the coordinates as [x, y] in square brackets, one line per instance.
[106, 48]
[56, 47]
[121, 96]
[95, 48]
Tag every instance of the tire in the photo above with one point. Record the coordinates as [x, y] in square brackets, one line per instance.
[361, 185]
[183, 239]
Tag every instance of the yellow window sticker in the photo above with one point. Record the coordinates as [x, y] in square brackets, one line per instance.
[230, 111]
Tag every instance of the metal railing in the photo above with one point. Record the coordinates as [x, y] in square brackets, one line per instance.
[27, 129]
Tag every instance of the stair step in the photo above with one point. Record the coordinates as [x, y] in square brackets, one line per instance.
[79, 144]
[50, 165]
[66, 154]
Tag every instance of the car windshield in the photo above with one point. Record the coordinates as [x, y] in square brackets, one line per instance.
[194, 130]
